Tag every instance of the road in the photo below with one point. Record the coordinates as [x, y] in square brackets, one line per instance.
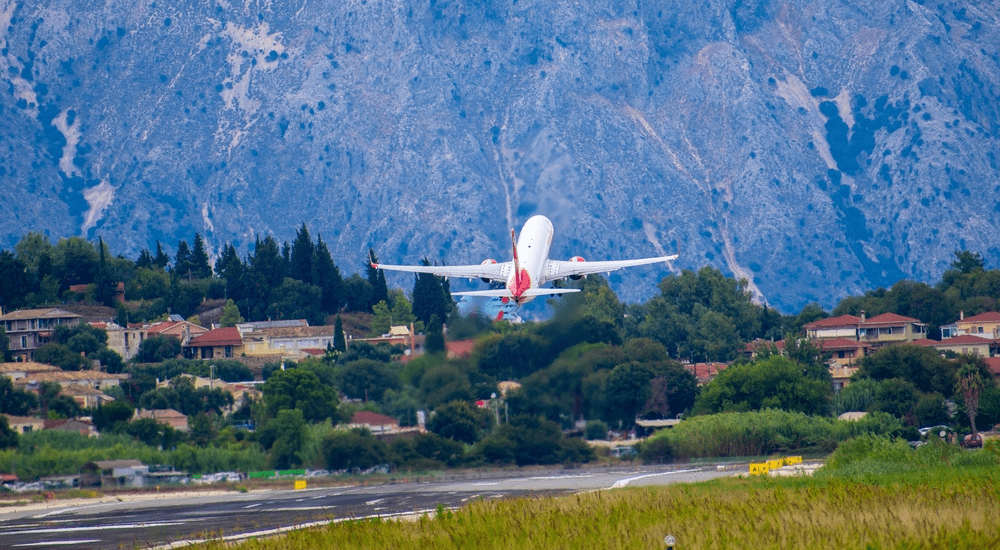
[173, 521]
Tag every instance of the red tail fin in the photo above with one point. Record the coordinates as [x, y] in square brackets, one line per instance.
[517, 264]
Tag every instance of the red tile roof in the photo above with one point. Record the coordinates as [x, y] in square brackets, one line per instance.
[460, 348]
[964, 339]
[994, 364]
[369, 418]
[925, 342]
[227, 336]
[988, 317]
[830, 322]
[759, 342]
[889, 319]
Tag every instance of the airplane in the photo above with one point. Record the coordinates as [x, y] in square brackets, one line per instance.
[530, 268]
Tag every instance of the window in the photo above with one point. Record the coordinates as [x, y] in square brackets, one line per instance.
[206, 353]
[980, 330]
[229, 351]
[24, 342]
[841, 354]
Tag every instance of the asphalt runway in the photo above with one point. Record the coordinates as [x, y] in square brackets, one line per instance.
[174, 521]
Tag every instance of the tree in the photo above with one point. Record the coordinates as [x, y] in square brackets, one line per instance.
[326, 275]
[74, 261]
[895, 396]
[5, 352]
[358, 293]
[968, 262]
[776, 383]
[182, 260]
[113, 416]
[300, 261]
[970, 385]
[354, 449]
[14, 401]
[922, 367]
[300, 389]
[230, 315]
[434, 342]
[60, 356]
[200, 268]
[627, 390]
[809, 356]
[339, 342]
[285, 437]
[161, 260]
[428, 297]
[104, 291]
[158, 348]
[458, 421]
[382, 320]
[13, 281]
[508, 356]
[376, 278]
[295, 299]
[64, 406]
[8, 437]
[366, 379]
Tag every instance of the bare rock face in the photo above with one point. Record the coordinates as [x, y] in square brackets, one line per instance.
[818, 149]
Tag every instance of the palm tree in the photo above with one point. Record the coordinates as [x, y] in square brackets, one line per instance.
[970, 384]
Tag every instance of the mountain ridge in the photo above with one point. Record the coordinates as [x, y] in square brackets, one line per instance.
[818, 149]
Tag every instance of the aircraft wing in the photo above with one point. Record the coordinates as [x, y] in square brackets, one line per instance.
[495, 271]
[556, 269]
[504, 293]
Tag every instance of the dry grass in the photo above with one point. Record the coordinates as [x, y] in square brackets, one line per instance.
[940, 508]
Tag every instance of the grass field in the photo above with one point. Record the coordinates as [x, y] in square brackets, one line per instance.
[934, 504]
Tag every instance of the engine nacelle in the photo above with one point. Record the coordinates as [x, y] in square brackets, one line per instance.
[576, 259]
[488, 261]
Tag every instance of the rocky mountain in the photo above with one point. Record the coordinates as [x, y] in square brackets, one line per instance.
[818, 148]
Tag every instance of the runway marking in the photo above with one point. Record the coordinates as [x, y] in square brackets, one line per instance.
[623, 482]
[482, 484]
[56, 543]
[251, 506]
[280, 530]
[93, 528]
[373, 502]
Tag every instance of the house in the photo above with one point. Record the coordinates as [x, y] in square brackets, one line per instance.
[85, 396]
[175, 419]
[963, 344]
[30, 329]
[82, 427]
[705, 372]
[994, 364]
[24, 424]
[460, 349]
[984, 325]
[123, 340]
[841, 376]
[90, 378]
[113, 473]
[182, 330]
[16, 371]
[752, 349]
[374, 422]
[220, 342]
[843, 352]
[889, 328]
[843, 326]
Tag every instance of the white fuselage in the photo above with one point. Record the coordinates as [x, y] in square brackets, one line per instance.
[532, 256]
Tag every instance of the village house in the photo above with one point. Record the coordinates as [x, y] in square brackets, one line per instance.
[90, 378]
[962, 344]
[30, 329]
[175, 419]
[889, 328]
[85, 396]
[984, 325]
[842, 351]
[217, 343]
[16, 371]
[122, 340]
[844, 326]
[182, 330]
[24, 424]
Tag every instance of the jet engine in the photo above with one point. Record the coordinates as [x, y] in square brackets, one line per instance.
[576, 259]
[487, 261]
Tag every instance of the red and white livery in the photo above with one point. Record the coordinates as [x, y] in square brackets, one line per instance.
[529, 269]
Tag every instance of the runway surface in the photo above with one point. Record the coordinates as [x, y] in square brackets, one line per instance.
[173, 521]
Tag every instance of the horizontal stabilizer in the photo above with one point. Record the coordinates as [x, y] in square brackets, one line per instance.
[504, 293]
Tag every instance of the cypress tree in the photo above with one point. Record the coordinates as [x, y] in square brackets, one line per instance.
[182, 261]
[300, 261]
[339, 342]
[376, 278]
[161, 260]
[434, 342]
[200, 269]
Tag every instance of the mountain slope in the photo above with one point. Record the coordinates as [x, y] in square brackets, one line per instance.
[817, 148]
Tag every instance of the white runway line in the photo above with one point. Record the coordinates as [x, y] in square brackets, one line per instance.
[93, 528]
[623, 482]
[57, 543]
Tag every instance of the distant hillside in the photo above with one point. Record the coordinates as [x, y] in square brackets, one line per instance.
[817, 148]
